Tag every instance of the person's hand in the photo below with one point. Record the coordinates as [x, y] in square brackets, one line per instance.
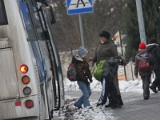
[91, 63]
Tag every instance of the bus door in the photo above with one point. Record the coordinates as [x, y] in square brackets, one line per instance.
[49, 19]
[57, 79]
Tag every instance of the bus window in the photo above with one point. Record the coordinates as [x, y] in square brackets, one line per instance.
[3, 17]
[38, 20]
[27, 19]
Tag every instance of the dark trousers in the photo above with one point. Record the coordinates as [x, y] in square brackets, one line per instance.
[108, 87]
[146, 81]
[156, 81]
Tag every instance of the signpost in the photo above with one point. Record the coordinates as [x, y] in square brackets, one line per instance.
[79, 7]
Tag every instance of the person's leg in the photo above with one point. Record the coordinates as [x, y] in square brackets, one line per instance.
[103, 98]
[156, 81]
[114, 102]
[85, 97]
[157, 74]
[78, 3]
[146, 82]
[79, 102]
[116, 83]
[83, 3]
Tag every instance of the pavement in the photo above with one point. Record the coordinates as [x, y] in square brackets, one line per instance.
[134, 108]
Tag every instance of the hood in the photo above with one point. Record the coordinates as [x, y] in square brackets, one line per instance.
[151, 46]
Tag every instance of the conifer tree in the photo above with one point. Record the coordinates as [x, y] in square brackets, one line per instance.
[151, 14]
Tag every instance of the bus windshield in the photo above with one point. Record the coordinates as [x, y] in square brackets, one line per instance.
[3, 17]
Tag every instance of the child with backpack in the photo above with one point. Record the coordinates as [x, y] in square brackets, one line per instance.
[83, 77]
[143, 67]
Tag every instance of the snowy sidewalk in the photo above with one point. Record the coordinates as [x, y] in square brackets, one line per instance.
[135, 108]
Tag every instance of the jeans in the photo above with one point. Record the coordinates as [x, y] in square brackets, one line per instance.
[84, 99]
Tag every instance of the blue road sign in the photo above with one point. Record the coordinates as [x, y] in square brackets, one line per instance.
[79, 6]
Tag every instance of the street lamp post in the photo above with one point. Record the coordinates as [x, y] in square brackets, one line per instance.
[141, 21]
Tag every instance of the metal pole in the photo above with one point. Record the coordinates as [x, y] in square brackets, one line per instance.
[81, 30]
[125, 73]
[141, 21]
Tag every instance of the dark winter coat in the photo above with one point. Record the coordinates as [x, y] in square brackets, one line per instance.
[141, 72]
[154, 53]
[111, 67]
[82, 69]
[104, 51]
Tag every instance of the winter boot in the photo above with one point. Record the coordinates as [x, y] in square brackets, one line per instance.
[115, 102]
[146, 97]
[110, 102]
[153, 88]
[120, 102]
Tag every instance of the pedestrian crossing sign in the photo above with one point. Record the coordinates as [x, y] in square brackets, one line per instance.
[79, 6]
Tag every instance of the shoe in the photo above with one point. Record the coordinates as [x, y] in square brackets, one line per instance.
[89, 107]
[77, 106]
[114, 106]
[153, 88]
[109, 105]
[120, 102]
[146, 98]
[99, 104]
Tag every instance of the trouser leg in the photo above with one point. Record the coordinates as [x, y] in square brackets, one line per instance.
[116, 83]
[104, 93]
[156, 81]
[84, 99]
[146, 81]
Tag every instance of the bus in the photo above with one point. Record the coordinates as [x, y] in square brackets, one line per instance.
[31, 81]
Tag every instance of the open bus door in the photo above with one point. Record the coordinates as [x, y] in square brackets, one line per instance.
[48, 15]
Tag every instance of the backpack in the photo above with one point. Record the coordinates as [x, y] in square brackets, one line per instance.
[97, 72]
[71, 72]
[143, 63]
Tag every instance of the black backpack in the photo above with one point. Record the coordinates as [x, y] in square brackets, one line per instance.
[71, 72]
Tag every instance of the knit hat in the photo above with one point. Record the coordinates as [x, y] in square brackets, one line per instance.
[105, 34]
[142, 45]
[82, 52]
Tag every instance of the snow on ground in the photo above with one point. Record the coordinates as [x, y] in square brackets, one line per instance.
[125, 86]
[98, 113]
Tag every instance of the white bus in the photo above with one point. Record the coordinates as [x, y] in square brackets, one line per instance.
[31, 82]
